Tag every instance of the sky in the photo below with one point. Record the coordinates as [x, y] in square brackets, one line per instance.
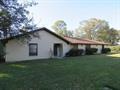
[46, 12]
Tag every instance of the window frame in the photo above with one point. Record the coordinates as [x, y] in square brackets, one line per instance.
[32, 53]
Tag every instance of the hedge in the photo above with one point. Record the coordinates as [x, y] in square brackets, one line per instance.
[91, 51]
[106, 50]
[74, 52]
[2, 52]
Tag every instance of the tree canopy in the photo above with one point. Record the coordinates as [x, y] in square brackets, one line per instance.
[14, 17]
[97, 29]
[89, 27]
[112, 36]
[14, 20]
[60, 28]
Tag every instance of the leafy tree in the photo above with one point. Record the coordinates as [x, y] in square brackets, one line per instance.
[88, 28]
[114, 36]
[97, 29]
[5, 22]
[60, 28]
[14, 17]
[14, 20]
[70, 33]
[119, 35]
[110, 36]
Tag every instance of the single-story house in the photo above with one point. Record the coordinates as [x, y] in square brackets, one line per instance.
[48, 45]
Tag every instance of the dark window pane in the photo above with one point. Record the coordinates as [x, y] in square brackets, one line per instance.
[33, 49]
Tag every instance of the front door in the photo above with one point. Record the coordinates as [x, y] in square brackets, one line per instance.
[58, 50]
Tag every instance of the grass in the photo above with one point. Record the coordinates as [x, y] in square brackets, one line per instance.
[115, 55]
[94, 72]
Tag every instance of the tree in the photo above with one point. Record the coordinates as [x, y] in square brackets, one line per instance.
[88, 28]
[60, 28]
[13, 21]
[70, 33]
[5, 22]
[14, 17]
[97, 29]
[111, 36]
[114, 36]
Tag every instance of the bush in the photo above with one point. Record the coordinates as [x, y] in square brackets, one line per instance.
[2, 52]
[91, 51]
[115, 49]
[106, 50]
[74, 52]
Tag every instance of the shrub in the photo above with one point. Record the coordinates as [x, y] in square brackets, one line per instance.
[2, 52]
[106, 50]
[115, 49]
[74, 52]
[91, 51]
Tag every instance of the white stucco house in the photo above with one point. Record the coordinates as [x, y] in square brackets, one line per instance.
[48, 45]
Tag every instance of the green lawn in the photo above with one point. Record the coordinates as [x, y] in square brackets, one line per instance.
[93, 72]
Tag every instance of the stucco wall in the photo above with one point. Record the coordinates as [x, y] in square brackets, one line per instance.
[19, 51]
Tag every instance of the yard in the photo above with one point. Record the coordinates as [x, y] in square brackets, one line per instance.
[94, 72]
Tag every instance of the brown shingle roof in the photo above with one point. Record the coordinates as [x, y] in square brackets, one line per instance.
[98, 42]
[73, 40]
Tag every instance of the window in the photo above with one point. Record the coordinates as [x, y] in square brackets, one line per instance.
[33, 49]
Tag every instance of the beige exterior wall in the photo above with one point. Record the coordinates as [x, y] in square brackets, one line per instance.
[99, 47]
[19, 51]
